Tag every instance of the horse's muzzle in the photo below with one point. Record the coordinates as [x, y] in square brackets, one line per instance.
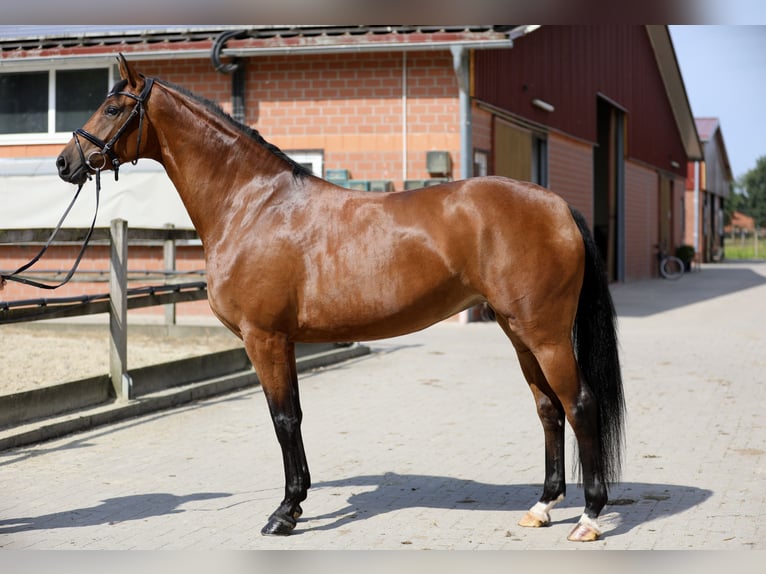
[69, 172]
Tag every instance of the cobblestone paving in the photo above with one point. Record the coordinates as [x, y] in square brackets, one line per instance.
[433, 442]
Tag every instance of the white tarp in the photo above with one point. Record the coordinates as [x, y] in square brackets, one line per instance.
[32, 196]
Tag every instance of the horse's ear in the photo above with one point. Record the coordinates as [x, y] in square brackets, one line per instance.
[127, 72]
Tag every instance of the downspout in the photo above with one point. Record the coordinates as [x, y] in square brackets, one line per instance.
[461, 65]
[696, 205]
[236, 68]
[404, 118]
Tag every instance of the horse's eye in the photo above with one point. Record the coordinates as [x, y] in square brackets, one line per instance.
[112, 111]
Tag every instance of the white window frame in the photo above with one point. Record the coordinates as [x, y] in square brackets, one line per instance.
[51, 136]
[313, 157]
[480, 162]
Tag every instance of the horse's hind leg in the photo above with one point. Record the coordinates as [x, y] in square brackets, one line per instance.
[551, 414]
[552, 373]
[558, 364]
[273, 357]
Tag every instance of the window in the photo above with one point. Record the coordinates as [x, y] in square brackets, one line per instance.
[47, 102]
[480, 162]
[24, 102]
[311, 159]
[78, 95]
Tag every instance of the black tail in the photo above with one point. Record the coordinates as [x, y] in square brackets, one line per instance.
[595, 341]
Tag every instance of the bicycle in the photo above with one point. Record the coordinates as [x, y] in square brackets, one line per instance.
[670, 266]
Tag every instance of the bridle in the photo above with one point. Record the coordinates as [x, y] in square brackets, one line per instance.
[107, 148]
[106, 151]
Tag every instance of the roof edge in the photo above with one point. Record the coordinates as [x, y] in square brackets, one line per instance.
[667, 63]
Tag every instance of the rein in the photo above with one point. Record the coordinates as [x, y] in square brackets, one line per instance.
[105, 151]
[26, 281]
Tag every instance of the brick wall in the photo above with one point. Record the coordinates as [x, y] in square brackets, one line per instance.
[350, 106]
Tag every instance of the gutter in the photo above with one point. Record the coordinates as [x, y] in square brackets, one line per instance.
[249, 46]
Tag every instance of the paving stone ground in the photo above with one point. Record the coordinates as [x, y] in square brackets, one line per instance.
[432, 442]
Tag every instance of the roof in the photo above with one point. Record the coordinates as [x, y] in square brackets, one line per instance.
[676, 90]
[25, 43]
[706, 127]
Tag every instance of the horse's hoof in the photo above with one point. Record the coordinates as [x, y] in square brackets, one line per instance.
[584, 532]
[278, 526]
[534, 520]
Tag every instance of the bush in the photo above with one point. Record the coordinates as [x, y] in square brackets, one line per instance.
[686, 254]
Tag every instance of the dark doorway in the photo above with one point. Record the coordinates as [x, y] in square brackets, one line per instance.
[608, 192]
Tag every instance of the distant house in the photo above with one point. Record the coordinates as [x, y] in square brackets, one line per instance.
[708, 185]
[598, 114]
[740, 224]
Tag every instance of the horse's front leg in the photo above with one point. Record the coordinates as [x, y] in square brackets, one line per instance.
[273, 357]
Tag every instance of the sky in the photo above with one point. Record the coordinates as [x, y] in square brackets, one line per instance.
[724, 71]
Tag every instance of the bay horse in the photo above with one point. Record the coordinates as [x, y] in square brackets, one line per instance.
[293, 258]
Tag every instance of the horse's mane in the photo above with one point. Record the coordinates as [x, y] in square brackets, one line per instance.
[299, 171]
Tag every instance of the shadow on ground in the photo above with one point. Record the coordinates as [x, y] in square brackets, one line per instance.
[631, 504]
[110, 511]
[634, 503]
[644, 298]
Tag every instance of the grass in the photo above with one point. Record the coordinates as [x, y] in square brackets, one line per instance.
[745, 249]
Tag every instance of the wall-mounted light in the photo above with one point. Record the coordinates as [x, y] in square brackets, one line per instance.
[543, 105]
[674, 164]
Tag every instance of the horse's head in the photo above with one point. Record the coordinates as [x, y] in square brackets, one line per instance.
[112, 135]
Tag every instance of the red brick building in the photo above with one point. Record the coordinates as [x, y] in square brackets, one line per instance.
[598, 114]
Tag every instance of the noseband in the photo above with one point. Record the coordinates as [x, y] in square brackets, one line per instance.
[106, 148]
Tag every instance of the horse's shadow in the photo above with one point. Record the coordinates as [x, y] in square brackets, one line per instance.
[110, 511]
[635, 502]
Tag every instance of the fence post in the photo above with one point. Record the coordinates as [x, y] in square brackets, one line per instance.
[118, 309]
[169, 256]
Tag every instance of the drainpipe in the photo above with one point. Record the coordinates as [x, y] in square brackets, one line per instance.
[461, 64]
[404, 118]
[236, 68]
[696, 205]
[460, 61]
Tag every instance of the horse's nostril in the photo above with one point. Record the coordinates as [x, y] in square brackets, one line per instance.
[61, 164]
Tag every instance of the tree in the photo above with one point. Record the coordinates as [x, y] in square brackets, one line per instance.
[753, 201]
[735, 202]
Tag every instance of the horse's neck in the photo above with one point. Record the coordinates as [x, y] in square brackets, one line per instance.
[204, 155]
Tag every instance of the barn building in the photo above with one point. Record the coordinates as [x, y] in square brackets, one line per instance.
[708, 184]
[598, 114]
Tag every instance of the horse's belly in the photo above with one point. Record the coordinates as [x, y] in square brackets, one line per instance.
[380, 313]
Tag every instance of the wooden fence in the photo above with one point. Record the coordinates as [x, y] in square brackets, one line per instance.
[119, 299]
